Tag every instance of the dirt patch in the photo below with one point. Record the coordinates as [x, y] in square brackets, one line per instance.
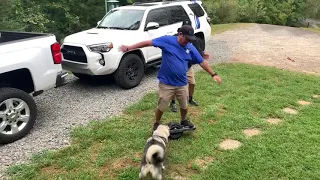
[274, 120]
[95, 151]
[123, 163]
[53, 170]
[290, 111]
[138, 155]
[251, 132]
[194, 112]
[212, 121]
[315, 96]
[283, 47]
[221, 110]
[179, 172]
[116, 165]
[203, 162]
[304, 102]
[230, 144]
[178, 177]
[138, 114]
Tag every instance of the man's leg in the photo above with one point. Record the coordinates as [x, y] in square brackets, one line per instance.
[183, 113]
[173, 105]
[191, 90]
[159, 114]
[182, 96]
[165, 96]
[191, 82]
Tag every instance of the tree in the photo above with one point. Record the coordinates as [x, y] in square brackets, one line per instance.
[5, 22]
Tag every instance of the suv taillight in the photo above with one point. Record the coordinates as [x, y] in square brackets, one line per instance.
[56, 53]
[209, 20]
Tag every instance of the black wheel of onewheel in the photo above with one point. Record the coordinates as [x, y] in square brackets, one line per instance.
[176, 135]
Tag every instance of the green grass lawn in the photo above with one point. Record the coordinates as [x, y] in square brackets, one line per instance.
[248, 96]
[312, 29]
[220, 28]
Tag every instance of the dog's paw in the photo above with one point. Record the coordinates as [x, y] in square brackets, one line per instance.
[140, 176]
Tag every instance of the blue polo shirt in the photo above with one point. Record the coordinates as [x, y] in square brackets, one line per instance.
[175, 58]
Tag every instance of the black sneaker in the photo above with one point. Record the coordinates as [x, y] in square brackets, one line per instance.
[155, 126]
[173, 107]
[192, 102]
[187, 123]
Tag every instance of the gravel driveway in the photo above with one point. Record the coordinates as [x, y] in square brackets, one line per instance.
[78, 102]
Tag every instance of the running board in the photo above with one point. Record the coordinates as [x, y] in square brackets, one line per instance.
[156, 64]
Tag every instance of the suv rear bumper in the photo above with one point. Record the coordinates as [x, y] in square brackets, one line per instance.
[61, 79]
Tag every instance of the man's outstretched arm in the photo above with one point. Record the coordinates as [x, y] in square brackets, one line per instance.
[205, 65]
[136, 46]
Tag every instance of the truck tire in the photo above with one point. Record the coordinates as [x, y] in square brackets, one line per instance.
[130, 71]
[15, 122]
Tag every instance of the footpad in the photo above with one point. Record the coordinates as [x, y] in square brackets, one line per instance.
[176, 130]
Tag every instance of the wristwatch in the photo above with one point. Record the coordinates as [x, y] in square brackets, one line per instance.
[214, 74]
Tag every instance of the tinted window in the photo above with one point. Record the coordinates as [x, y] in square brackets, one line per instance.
[178, 14]
[159, 16]
[197, 10]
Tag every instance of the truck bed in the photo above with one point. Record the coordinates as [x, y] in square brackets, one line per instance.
[9, 36]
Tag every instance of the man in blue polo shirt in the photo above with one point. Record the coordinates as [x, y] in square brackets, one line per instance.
[177, 51]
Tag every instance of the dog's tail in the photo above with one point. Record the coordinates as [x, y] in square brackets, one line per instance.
[155, 154]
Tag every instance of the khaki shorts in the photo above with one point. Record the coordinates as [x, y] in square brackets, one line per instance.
[167, 92]
[190, 75]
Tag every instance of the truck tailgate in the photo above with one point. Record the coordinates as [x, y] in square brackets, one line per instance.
[34, 54]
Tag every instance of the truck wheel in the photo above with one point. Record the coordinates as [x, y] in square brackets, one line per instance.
[130, 71]
[203, 43]
[18, 113]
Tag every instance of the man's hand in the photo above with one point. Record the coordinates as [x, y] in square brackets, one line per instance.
[206, 55]
[142, 44]
[124, 48]
[206, 67]
[217, 79]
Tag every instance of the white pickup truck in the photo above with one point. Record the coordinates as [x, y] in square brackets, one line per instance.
[30, 63]
[95, 52]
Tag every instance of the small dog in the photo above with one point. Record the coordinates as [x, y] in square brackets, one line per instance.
[154, 153]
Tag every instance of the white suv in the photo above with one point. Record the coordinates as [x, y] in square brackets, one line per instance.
[96, 51]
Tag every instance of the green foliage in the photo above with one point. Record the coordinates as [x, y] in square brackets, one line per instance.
[6, 23]
[222, 11]
[312, 9]
[280, 12]
[252, 11]
[64, 17]
[30, 16]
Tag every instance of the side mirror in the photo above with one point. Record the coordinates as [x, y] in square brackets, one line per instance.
[152, 25]
[98, 22]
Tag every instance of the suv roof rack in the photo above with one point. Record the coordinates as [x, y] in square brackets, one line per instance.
[155, 1]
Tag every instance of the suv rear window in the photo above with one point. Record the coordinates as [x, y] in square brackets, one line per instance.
[196, 8]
